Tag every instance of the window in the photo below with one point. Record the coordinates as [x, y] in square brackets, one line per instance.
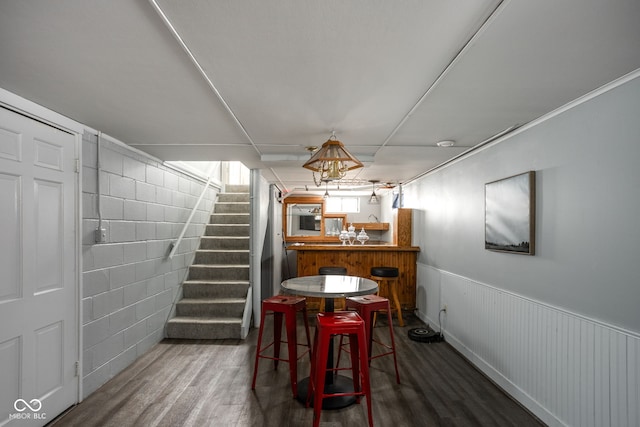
[342, 205]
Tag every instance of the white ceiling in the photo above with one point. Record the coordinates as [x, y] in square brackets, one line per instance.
[259, 80]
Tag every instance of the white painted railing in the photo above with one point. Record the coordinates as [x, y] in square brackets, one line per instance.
[174, 246]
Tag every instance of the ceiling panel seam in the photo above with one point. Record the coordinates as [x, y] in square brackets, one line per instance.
[518, 128]
[215, 90]
[492, 16]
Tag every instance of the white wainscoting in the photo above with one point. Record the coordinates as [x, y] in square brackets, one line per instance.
[565, 368]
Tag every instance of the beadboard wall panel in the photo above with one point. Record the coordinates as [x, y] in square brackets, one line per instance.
[565, 368]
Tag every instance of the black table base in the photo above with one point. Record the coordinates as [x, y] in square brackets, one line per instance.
[340, 384]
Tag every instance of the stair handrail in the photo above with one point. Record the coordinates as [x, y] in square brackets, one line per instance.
[174, 245]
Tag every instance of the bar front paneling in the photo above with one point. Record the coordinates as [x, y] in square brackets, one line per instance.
[358, 259]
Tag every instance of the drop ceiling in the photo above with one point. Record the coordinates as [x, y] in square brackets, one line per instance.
[257, 81]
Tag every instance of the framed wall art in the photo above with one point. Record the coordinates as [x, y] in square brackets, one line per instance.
[509, 215]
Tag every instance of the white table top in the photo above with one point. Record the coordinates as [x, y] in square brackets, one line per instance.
[329, 286]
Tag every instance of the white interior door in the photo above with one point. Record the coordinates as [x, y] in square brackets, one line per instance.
[38, 265]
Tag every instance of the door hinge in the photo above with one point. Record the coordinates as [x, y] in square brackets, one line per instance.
[77, 165]
[77, 364]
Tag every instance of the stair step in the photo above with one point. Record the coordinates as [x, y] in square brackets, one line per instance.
[233, 207]
[224, 242]
[236, 188]
[229, 218]
[204, 328]
[203, 307]
[215, 289]
[221, 256]
[227, 230]
[216, 283]
[218, 272]
[212, 300]
[233, 197]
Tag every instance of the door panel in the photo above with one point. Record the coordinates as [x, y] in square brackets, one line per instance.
[39, 318]
[10, 144]
[49, 358]
[10, 232]
[10, 356]
[48, 212]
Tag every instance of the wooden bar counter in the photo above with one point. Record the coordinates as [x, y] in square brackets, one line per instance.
[358, 259]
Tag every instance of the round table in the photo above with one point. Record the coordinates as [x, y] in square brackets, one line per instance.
[329, 287]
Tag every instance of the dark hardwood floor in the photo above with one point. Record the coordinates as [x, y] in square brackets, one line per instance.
[208, 383]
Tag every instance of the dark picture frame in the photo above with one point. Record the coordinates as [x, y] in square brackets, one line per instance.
[509, 217]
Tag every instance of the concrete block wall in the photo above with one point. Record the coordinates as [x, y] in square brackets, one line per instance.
[129, 284]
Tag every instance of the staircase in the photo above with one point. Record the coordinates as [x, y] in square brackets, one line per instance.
[215, 293]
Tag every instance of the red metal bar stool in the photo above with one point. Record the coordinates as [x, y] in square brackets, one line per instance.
[339, 323]
[278, 306]
[389, 277]
[367, 306]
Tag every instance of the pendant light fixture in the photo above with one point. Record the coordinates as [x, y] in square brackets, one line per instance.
[374, 200]
[331, 162]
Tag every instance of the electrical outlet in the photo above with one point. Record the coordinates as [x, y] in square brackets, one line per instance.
[101, 235]
[444, 308]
